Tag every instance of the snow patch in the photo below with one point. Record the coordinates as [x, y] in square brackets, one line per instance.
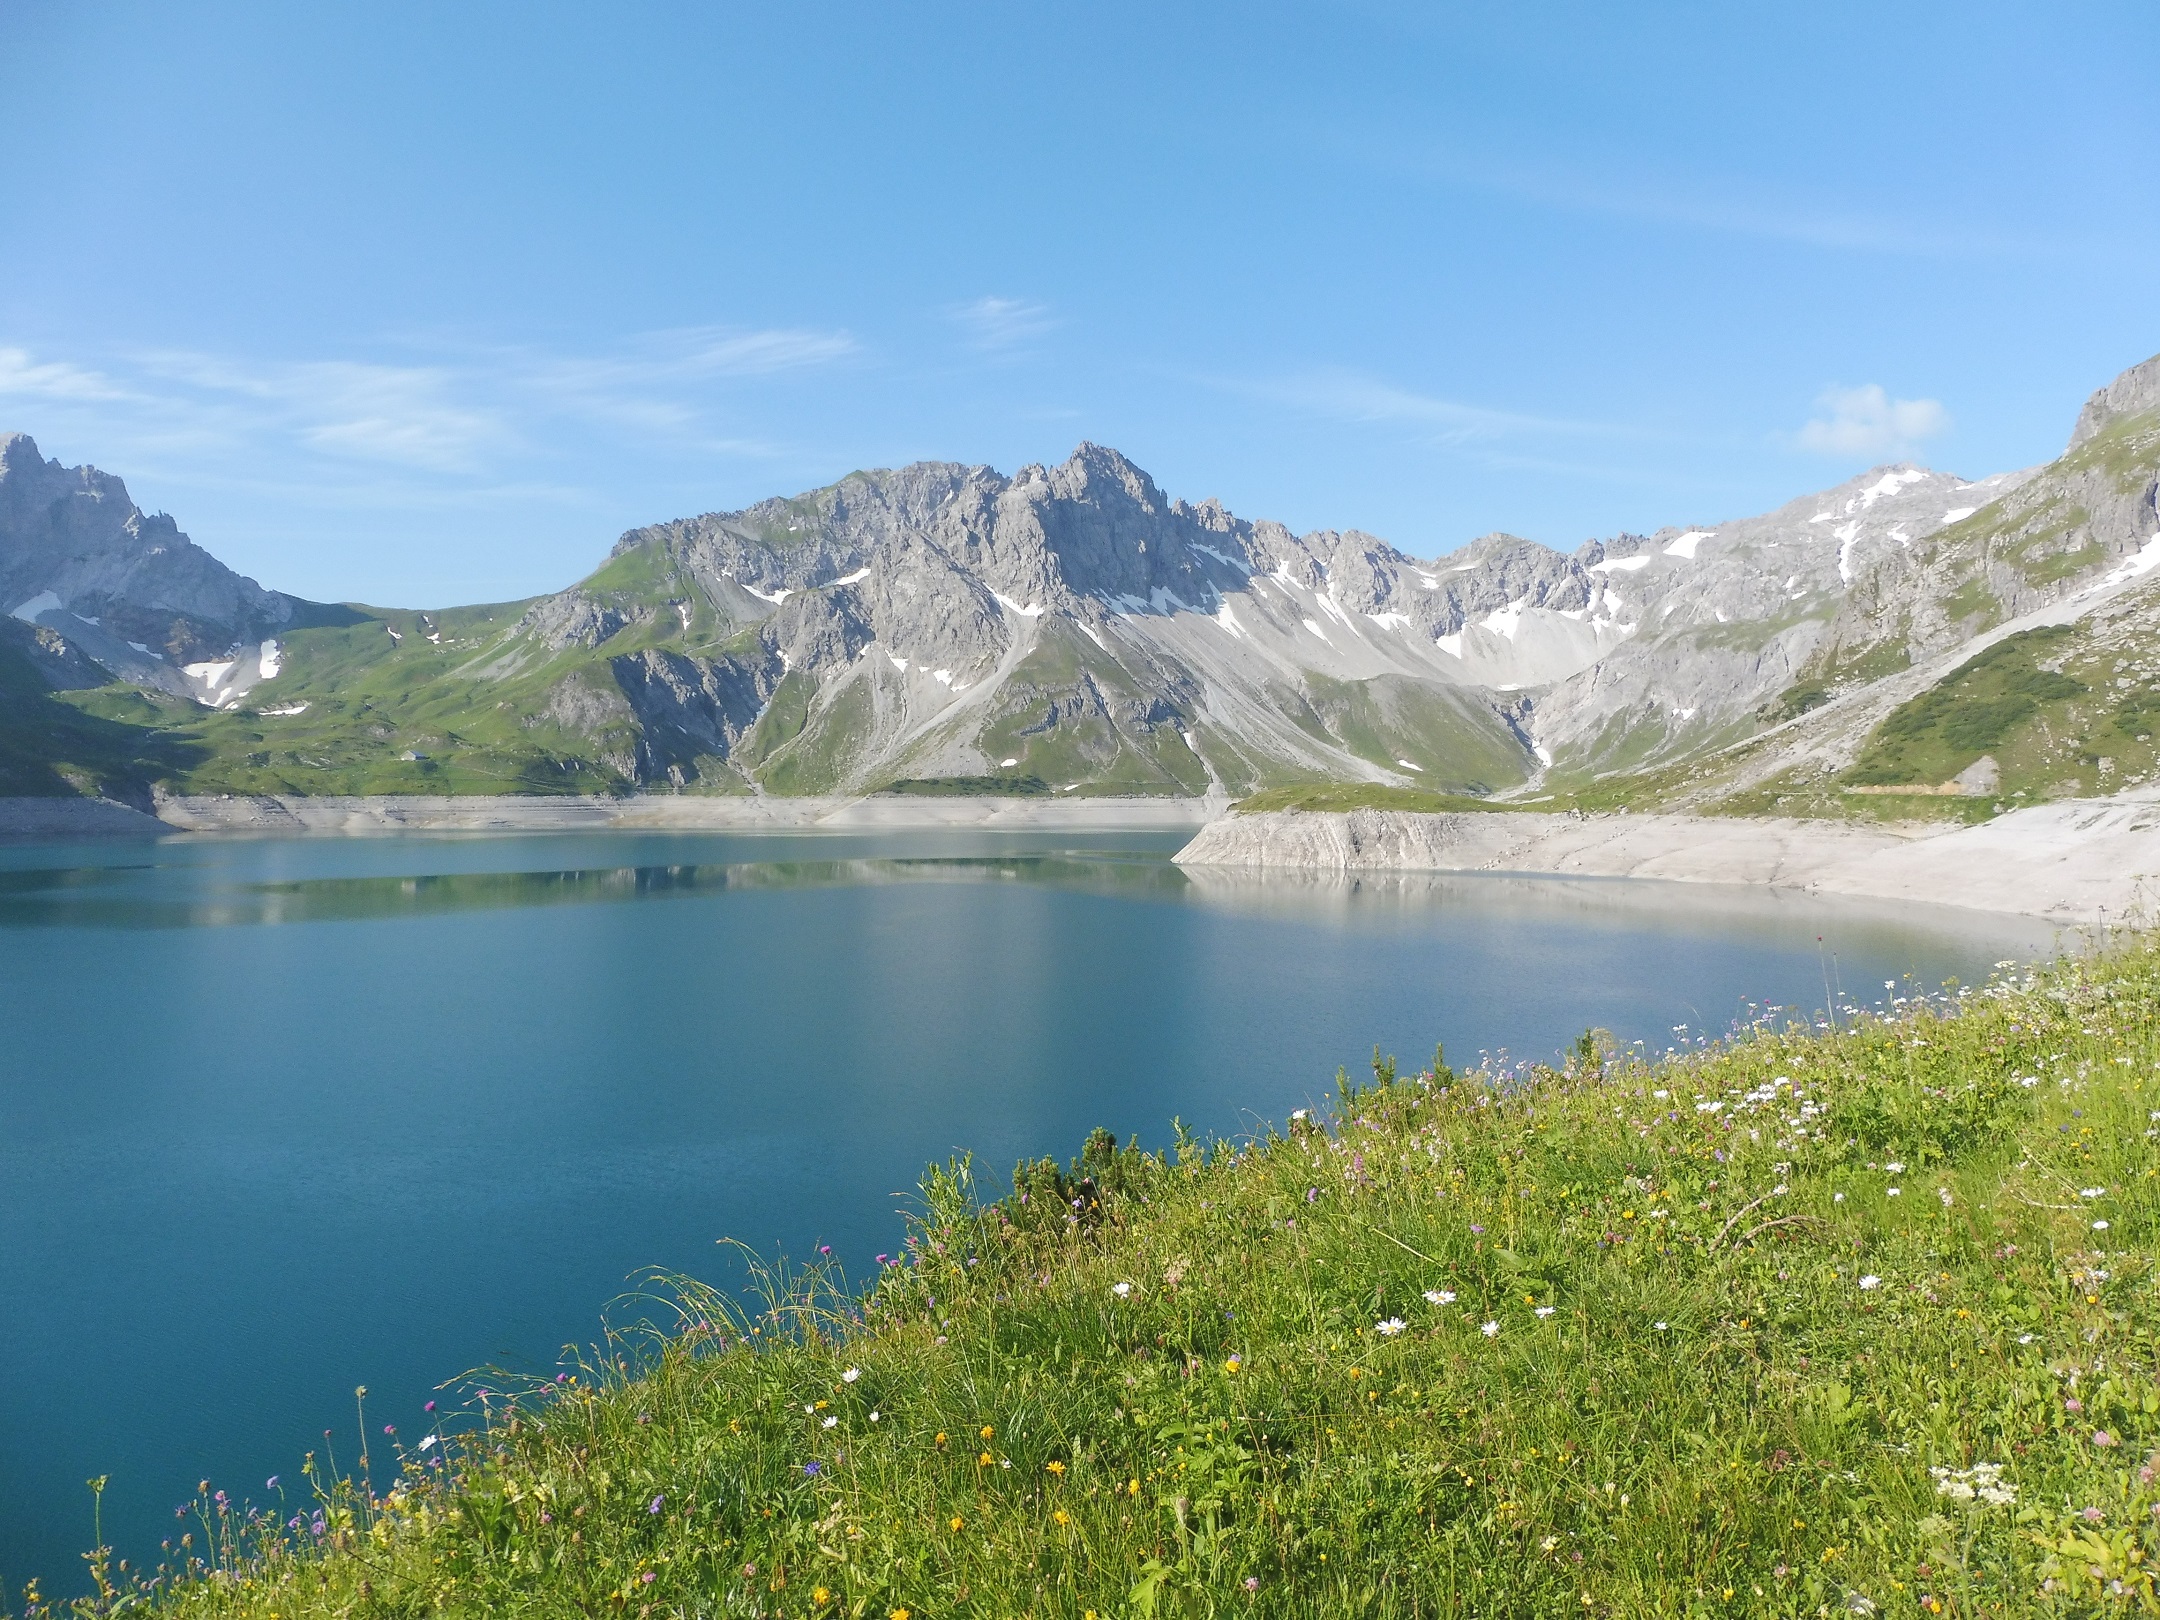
[1621, 565]
[1390, 621]
[774, 597]
[43, 602]
[942, 676]
[898, 662]
[1543, 753]
[2144, 562]
[1007, 764]
[1845, 534]
[1227, 619]
[1684, 547]
[1189, 743]
[287, 708]
[272, 659]
[1426, 580]
[211, 675]
[1450, 644]
[1889, 484]
[1505, 621]
[1409, 765]
[1010, 606]
[1092, 634]
[1958, 514]
[855, 578]
[1316, 630]
[1239, 563]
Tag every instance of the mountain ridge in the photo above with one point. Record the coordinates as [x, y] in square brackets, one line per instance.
[1071, 624]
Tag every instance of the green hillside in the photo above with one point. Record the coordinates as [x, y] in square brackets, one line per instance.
[1842, 1320]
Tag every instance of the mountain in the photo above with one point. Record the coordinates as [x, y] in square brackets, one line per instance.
[1067, 629]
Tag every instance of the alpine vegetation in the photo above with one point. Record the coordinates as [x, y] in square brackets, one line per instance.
[1847, 1318]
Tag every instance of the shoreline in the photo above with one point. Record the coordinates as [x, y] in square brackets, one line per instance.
[2077, 862]
[357, 816]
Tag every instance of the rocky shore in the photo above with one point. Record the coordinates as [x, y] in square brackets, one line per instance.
[83, 818]
[2077, 862]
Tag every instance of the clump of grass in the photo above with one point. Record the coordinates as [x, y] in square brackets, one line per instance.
[1814, 1320]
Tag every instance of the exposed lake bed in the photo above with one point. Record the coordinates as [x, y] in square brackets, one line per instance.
[282, 1116]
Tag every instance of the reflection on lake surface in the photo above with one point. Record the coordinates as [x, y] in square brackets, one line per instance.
[283, 1116]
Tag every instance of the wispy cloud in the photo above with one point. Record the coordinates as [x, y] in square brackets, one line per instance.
[22, 377]
[996, 325]
[1354, 396]
[1699, 202]
[1866, 421]
[467, 414]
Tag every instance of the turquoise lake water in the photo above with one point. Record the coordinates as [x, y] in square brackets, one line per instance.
[279, 1117]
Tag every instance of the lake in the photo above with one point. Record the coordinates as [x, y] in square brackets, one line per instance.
[279, 1117]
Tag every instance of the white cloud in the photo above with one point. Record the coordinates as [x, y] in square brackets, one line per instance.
[1002, 323]
[1868, 422]
[21, 377]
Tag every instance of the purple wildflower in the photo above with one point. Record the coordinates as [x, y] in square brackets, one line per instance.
[810, 1468]
[655, 1507]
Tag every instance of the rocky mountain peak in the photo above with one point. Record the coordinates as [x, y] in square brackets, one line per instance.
[2133, 393]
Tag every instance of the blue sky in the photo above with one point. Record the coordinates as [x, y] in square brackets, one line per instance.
[413, 303]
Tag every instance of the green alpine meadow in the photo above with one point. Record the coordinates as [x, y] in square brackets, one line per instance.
[1849, 1317]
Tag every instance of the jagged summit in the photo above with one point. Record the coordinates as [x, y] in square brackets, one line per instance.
[1076, 626]
[2133, 393]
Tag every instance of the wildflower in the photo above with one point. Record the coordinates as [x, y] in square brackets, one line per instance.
[940, 1438]
[429, 1407]
[884, 1259]
[987, 1431]
[829, 1423]
[874, 1417]
[2093, 1515]
[1982, 1482]
[1053, 1467]
[1439, 1296]
[2091, 1192]
[956, 1524]
[1301, 1114]
[2103, 1439]
[2073, 1404]
[1837, 1198]
[985, 1460]
[1392, 1326]
[810, 1470]
[1661, 1327]
[654, 1506]
[899, 1614]
[270, 1484]
[1478, 1231]
[851, 1375]
[1893, 1192]
[1491, 1330]
[820, 1596]
[2025, 1338]
[2100, 1226]
[647, 1578]
[1895, 1167]
[1122, 1290]
[1234, 1366]
[1062, 1517]
[1544, 1310]
[1944, 1194]
[1252, 1583]
[1870, 1281]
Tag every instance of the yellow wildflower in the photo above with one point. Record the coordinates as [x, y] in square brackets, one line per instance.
[987, 1431]
[820, 1596]
[985, 1460]
[1062, 1516]
[1055, 1467]
[958, 1524]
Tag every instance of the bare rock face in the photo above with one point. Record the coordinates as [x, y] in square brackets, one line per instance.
[73, 545]
[2135, 392]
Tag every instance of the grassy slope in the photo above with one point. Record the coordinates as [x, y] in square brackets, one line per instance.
[1698, 1359]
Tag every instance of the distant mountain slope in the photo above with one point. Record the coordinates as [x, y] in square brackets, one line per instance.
[1067, 629]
